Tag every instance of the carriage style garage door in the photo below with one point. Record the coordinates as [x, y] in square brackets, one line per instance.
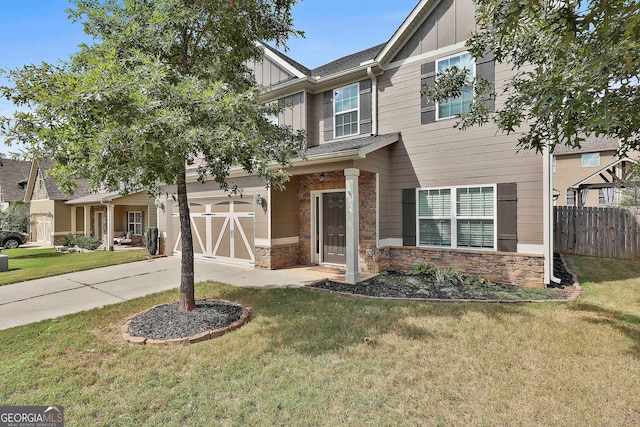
[222, 231]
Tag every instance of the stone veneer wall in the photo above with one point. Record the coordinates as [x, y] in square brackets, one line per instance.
[368, 258]
[502, 267]
[275, 257]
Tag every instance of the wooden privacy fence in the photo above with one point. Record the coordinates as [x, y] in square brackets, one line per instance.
[597, 232]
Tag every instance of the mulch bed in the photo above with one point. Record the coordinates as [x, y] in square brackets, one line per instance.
[166, 324]
[400, 285]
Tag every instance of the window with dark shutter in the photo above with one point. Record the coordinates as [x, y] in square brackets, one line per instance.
[484, 68]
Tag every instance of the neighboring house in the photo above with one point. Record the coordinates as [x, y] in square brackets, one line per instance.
[590, 175]
[104, 215]
[13, 174]
[387, 181]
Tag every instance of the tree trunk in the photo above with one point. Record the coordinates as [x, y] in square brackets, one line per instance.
[187, 293]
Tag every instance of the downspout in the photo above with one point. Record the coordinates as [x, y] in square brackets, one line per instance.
[547, 214]
[374, 101]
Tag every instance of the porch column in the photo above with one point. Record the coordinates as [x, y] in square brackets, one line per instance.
[74, 220]
[87, 220]
[353, 224]
[110, 233]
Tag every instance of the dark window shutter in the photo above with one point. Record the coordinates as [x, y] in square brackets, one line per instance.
[365, 107]
[327, 103]
[507, 217]
[486, 68]
[409, 217]
[427, 77]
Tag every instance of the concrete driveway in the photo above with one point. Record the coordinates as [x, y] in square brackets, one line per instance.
[40, 299]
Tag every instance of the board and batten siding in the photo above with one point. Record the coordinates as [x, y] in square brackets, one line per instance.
[450, 23]
[267, 73]
[437, 155]
[294, 114]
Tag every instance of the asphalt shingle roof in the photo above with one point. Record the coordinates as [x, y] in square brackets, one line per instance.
[11, 173]
[54, 192]
[347, 62]
[350, 144]
[592, 144]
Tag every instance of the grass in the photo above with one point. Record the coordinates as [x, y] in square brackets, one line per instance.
[29, 264]
[310, 358]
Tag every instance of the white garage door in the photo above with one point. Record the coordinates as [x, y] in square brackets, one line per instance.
[43, 228]
[222, 231]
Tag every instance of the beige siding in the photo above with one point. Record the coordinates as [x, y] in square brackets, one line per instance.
[62, 218]
[450, 23]
[569, 171]
[284, 211]
[435, 155]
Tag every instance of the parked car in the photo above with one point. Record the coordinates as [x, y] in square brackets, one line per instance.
[12, 239]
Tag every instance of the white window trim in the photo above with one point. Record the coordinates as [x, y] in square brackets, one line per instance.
[141, 222]
[454, 217]
[357, 110]
[590, 166]
[473, 75]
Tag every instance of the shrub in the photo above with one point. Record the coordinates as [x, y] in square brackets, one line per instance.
[68, 240]
[423, 270]
[87, 242]
[151, 240]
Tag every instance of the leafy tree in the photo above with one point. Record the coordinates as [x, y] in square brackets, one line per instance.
[630, 187]
[15, 217]
[164, 87]
[576, 64]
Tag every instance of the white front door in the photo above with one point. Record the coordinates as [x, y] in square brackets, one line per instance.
[222, 231]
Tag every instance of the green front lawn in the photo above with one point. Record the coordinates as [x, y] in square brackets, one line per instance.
[29, 264]
[310, 358]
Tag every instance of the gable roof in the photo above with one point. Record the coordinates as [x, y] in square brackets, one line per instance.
[53, 190]
[12, 172]
[375, 55]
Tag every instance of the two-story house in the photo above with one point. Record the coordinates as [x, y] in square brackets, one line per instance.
[387, 181]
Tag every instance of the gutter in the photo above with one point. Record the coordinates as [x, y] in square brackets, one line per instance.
[374, 101]
[547, 214]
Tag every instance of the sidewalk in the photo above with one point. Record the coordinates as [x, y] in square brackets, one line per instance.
[40, 299]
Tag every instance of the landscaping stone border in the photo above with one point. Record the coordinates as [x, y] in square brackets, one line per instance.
[574, 278]
[573, 296]
[203, 336]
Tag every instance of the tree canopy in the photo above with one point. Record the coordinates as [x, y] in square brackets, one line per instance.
[576, 70]
[164, 86]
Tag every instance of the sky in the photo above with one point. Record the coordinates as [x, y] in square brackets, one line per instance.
[33, 31]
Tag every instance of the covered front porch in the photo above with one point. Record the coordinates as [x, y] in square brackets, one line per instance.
[328, 214]
[113, 218]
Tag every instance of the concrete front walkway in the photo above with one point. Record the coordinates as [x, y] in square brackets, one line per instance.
[40, 299]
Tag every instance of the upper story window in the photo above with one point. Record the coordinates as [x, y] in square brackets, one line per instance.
[591, 160]
[553, 164]
[346, 110]
[460, 105]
